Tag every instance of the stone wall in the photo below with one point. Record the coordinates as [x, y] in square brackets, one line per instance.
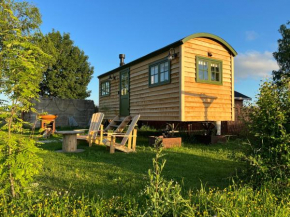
[80, 110]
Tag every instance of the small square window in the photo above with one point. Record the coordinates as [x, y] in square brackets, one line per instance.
[159, 73]
[105, 88]
[208, 70]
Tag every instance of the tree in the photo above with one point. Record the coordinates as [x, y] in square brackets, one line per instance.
[21, 66]
[283, 54]
[270, 126]
[70, 73]
[27, 15]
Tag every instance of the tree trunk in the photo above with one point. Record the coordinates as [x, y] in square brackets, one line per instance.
[11, 178]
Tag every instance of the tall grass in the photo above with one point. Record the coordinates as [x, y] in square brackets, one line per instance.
[159, 197]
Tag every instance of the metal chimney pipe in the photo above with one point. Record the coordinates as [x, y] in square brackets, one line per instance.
[122, 57]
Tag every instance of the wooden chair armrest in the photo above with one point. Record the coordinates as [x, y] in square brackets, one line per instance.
[112, 134]
[119, 135]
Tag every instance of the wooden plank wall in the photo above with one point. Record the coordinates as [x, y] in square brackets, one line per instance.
[159, 103]
[109, 105]
[206, 102]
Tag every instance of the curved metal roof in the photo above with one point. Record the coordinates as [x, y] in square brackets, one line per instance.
[175, 44]
[211, 36]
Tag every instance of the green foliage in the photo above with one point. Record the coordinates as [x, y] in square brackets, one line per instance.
[159, 198]
[269, 123]
[239, 201]
[59, 203]
[232, 201]
[28, 16]
[21, 61]
[282, 55]
[22, 163]
[21, 64]
[147, 128]
[162, 197]
[68, 76]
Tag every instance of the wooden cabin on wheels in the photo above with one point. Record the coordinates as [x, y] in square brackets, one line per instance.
[189, 80]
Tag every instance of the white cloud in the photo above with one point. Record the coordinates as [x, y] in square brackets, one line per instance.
[254, 65]
[251, 35]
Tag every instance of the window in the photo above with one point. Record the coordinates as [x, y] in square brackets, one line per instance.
[208, 70]
[105, 88]
[159, 73]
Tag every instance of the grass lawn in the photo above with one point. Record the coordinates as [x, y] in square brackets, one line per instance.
[97, 172]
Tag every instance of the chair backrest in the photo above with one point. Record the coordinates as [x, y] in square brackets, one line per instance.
[96, 121]
[130, 129]
[122, 125]
[111, 123]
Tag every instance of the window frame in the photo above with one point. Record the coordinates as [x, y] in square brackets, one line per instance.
[158, 63]
[209, 61]
[103, 82]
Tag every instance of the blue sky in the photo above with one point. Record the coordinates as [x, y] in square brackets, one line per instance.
[104, 29]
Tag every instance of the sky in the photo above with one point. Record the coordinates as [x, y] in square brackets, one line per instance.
[105, 29]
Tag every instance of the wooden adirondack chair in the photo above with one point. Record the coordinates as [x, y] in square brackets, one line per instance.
[130, 135]
[117, 125]
[95, 127]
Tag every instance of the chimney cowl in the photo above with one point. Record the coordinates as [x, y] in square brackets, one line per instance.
[122, 57]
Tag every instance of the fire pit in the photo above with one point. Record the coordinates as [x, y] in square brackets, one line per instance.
[48, 121]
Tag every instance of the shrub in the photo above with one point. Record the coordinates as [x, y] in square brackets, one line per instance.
[162, 197]
[269, 121]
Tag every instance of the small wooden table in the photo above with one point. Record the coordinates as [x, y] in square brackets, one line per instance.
[69, 142]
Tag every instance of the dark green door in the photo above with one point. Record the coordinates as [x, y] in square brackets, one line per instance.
[124, 93]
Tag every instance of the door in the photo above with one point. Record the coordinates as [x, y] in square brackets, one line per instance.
[124, 93]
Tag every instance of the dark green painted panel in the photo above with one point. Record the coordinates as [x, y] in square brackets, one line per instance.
[125, 92]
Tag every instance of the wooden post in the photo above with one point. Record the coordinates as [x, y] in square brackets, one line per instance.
[112, 145]
[53, 126]
[134, 139]
[90, 139]
[218, 127]
[101, 135]
[42, 124]
[130, 141]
